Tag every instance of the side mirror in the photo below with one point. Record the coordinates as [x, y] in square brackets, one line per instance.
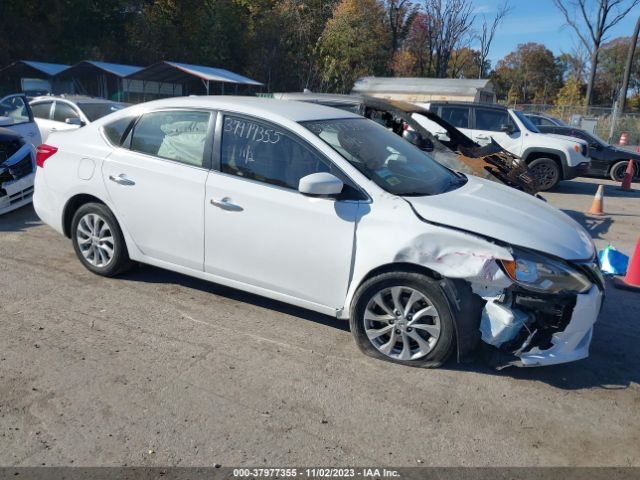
[508, 129]
[74, 121]
[320, 184]
[595, 146]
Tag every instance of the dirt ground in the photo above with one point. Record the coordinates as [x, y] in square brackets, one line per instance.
[155, 368]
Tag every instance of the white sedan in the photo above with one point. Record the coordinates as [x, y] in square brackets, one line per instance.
[329, 211]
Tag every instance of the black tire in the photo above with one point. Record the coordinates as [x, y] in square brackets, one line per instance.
[547, 173]
[619, 170]
[119, 261]
[445, 343]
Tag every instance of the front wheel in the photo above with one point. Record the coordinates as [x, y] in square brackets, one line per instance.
[546, 171]
[403, 317]
[98, 241]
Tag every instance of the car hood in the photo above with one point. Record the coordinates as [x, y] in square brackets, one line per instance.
[562, 139]
[505, 214]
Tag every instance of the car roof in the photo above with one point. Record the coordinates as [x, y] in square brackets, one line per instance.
[467, 104]
[258, 106]
[74, 99]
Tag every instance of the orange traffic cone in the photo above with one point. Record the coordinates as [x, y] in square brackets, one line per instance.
[628, 176]
[632, 280]
[598, 202]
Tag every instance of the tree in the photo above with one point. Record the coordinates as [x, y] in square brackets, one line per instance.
[531, 74]
[629, 65]
[465, 63]
[487, 32]
[607, 14]
[398, 16]
[610, 73]
[570, 94]
[436, 32]
[354, 43]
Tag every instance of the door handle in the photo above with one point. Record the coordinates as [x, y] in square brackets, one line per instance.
[482, 137]
[31, 134]
[225, 204]
[121, 179]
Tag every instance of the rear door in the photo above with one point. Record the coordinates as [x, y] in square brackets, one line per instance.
[491, 123]
[457, 115]
[16, 115]
[157, 184]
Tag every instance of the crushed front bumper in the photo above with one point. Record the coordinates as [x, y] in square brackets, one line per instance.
[573, 342]
[16, 179]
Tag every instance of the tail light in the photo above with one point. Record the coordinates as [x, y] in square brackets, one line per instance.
[43, 152]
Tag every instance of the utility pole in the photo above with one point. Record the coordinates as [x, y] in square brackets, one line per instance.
[628, 66]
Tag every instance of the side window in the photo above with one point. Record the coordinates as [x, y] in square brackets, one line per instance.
[116, 130]
[62, 111]
[258, 151]
[41, 110]
[491, 120]
[543, 122]
[536, 120]
[174, 135]
[15, 109]
[456, 116]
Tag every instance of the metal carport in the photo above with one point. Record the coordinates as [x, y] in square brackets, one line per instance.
[14, 75]
[191, 79]
[99, 79]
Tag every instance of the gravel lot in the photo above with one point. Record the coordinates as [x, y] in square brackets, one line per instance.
[155, 368]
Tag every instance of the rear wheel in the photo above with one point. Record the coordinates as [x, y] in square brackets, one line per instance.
[98, 241]
[403, 317]
[546, 171]
[619, 170]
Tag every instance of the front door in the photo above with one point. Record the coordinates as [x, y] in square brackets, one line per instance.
[261, 231]
[490, 124]
[157, 185]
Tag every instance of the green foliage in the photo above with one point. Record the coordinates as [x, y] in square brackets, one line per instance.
[354, 44]
[531, 74]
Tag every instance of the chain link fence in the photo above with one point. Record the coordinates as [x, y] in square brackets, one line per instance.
[582, 117]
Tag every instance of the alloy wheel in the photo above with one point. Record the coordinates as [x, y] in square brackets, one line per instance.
[545, 174]
[402, 323]
[95, 240]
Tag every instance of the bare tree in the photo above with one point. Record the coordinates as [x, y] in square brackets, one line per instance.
[592, 28]
[487, 32]
[451, 22]
[629, 64]
[399, 14]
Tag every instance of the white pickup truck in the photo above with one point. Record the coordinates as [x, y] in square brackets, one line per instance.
[550, 157]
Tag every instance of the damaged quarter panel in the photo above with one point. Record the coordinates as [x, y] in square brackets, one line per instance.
[17, 171]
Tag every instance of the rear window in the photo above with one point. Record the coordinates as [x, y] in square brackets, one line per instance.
[116, 131]
[94, 111]
[456, 116]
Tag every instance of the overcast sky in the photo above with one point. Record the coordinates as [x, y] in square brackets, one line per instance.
[539, 21]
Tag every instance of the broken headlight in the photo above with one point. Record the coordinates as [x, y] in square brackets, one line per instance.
[545, 275]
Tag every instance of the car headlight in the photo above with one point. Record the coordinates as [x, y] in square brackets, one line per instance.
[545, 275]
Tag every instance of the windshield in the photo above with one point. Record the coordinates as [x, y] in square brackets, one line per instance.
[596, 139]
[392, 163]
[528, 124]
[94, 111]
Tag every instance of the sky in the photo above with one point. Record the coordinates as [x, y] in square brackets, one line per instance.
[541, 22]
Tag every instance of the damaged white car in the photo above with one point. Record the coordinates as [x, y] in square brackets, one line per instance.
[326, 210]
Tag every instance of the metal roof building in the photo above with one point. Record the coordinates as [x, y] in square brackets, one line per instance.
[426, 89]
[29, 76]
[172, 78]
[98, 79]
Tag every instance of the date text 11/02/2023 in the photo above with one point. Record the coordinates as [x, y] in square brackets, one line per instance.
[315, 472]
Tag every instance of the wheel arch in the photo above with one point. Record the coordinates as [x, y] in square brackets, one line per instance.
[466, 307]
[550, 153]
[72, 206]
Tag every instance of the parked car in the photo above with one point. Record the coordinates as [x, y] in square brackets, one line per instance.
[17, 171]
[606, 160]
[544, 120]
[550, 158]
[18, 135]
[330, 211]
[69, 112]
[455, 150]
